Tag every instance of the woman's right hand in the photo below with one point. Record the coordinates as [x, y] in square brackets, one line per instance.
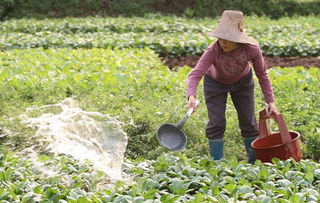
[192, 103]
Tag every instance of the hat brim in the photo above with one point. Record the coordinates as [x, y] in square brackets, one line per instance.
[232, 35]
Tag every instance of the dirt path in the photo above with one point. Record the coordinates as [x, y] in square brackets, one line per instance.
[270, 61]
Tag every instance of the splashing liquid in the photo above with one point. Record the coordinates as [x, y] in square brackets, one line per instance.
[84, 135]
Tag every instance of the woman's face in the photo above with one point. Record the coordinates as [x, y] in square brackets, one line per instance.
[227, 46]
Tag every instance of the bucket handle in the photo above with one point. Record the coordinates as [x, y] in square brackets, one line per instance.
[278, 118]
[188, 114]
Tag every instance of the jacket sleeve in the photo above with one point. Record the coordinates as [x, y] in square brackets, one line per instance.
[260, 69]
[200, 69]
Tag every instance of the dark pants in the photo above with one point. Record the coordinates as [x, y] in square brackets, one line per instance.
[242, 94]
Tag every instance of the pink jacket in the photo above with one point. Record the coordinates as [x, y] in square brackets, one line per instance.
[230, 67]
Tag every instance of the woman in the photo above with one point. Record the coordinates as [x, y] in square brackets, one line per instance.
[225, 66]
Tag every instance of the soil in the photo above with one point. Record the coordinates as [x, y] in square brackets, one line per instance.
[270, 61]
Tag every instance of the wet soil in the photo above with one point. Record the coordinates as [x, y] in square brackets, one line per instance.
[270, 61]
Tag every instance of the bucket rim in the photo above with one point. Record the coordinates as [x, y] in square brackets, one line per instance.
[278, 145]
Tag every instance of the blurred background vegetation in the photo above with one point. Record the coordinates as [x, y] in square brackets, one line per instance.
[187, 8]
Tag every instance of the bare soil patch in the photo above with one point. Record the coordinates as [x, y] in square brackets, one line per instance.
[270, 61]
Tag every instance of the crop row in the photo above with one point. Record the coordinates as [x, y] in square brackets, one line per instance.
[97, 24]
[148, 24]
[68, 181]
[167, 36]
[168, 179]
[178, 179]
[165, 44]
[171, 45]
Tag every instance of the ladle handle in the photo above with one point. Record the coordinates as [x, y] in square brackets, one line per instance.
[278, 118]
[191, 109]
[188, 114]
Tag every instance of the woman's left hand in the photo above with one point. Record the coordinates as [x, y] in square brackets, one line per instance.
[272, 108]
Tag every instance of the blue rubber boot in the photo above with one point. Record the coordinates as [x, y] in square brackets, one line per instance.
[250, 152]
[216, 149]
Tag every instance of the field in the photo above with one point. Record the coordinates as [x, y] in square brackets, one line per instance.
[113, 66]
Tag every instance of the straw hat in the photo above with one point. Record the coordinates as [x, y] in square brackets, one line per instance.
[230, 27]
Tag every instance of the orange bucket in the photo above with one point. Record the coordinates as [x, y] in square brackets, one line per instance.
[282, 145]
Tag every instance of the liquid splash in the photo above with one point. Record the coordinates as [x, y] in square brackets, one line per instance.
[84, 135]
